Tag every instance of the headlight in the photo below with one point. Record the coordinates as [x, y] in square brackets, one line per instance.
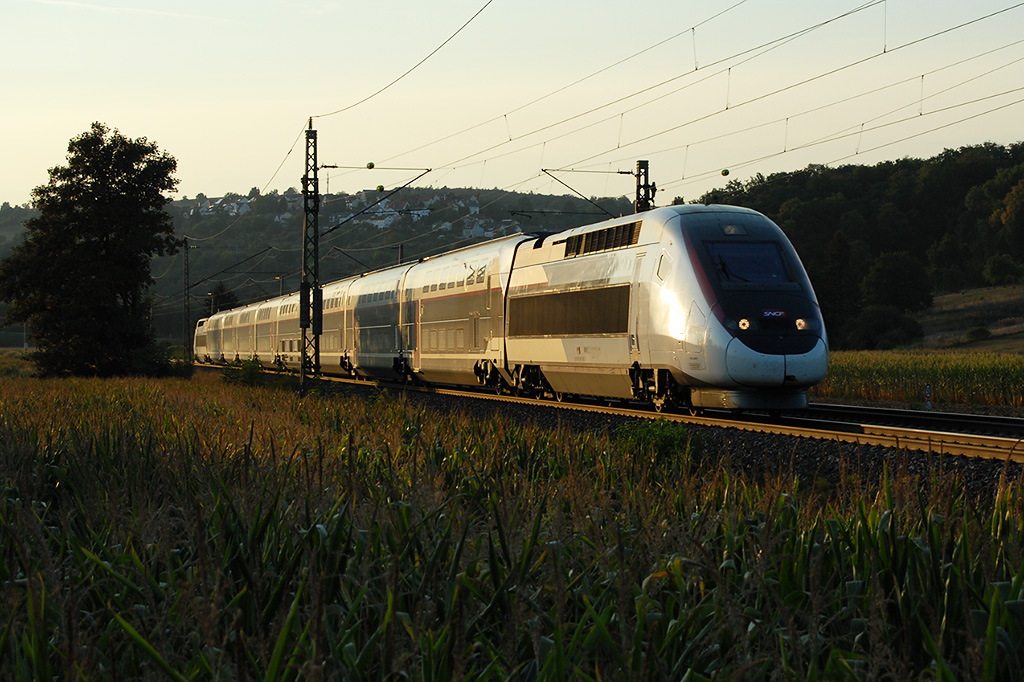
[801, 324]
[744, 324]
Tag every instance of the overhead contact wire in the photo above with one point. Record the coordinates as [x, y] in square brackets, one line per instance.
[416, 66]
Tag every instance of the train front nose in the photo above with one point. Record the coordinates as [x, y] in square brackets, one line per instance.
[776, 346]
[796, 369]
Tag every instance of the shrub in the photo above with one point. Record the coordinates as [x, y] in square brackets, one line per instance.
[979, 333]
[1002, 269]
[880, 328]
[246, 373]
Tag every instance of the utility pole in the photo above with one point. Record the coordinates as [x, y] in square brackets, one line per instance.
[310, 293]
[645, 190]
[186, 314]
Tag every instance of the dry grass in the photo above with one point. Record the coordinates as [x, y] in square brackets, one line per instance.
[14, 363]
[1000, 310]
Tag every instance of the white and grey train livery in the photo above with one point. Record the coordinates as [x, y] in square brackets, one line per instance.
[689, 306]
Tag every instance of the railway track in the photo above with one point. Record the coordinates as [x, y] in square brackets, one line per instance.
[1000, 438]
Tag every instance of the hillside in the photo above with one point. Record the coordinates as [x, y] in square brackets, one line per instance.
[988, 319]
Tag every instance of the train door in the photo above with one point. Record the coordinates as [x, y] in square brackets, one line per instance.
[639, 349]
[348, 326]
[495, 311]
[696, 325]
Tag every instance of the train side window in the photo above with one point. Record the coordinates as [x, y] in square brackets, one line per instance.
[664, 267]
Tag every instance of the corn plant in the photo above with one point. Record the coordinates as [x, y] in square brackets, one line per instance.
[970, 379]
[204, 531]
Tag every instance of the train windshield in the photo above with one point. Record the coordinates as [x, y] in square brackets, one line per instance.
[742, 264]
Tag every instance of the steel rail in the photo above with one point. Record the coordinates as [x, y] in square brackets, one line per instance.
[848, 429]
[927, 440]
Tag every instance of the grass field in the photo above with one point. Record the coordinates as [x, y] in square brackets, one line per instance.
[998, 310]
[199, 530]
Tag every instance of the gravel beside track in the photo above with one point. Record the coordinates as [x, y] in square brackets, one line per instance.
[826, 467]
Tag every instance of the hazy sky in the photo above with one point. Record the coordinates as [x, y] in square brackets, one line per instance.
[755, 86]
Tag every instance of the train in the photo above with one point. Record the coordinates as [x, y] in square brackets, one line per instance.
[681, 307]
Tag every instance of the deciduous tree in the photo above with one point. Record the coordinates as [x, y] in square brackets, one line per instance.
[81, 276]
[898, 280]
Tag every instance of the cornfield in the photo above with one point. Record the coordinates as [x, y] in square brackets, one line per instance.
[968, 379]
[204, 531]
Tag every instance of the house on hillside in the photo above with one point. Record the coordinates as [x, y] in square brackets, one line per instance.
[472, 228]
[381, 220]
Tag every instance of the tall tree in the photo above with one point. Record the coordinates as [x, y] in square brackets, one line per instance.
[898, 280]
[1012, 218]
[81, 276]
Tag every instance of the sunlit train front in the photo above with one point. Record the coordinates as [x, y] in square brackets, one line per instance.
[739, 317]
[684, 306]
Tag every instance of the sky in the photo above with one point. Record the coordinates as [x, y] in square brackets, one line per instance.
[492, 93]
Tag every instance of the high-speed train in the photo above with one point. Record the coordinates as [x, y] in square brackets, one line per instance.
[688, 306]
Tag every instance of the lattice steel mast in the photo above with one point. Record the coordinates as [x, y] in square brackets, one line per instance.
[310, 293]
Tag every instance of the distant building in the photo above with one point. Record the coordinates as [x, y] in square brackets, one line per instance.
[472, 229]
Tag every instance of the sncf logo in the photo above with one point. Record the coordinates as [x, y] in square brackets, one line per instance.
[773, 313]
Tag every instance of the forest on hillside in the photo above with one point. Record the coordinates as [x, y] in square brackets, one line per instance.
[878, 241]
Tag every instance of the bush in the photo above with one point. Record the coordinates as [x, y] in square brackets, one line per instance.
[245, 373]
[1002, 269]
[979, 333]
[880, 328]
